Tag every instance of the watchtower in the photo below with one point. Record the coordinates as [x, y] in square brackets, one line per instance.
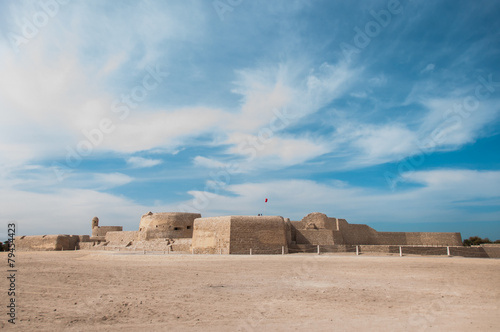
[95, 222]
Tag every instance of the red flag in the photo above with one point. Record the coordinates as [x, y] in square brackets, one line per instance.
[266, 200]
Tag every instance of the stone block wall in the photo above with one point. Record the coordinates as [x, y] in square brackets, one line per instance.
[121, 238]
[492, 249]
[262, 234]
[48, 242]
[211, 235]
[317, 228]
[358, 233]
[314, 236]
[418, 238]
[86, 245]
[102, 230]
[173, 225]
[239, 234]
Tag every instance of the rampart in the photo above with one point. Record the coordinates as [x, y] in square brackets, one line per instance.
[492, 249]
[418, 238]
[176, 231]
[239, 235]
[264, 235]
[318, 229]
[122, 238]
[98, 232]
[211, 235]
[103, 230]
[167, 225]
[49, 242]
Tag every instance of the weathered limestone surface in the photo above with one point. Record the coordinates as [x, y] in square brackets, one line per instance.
[176, 231]
[157, 231]
[167, 225]
[49, 242]
[492, 249]
[316, 228]
[121, 238]
[103, 230]
[418, 238]
[263, 234]
[211, 235]
[239, 234]
[319, 236]
[100, 231]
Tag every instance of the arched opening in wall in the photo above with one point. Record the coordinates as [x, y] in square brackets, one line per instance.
[177, 228]
[188, 227]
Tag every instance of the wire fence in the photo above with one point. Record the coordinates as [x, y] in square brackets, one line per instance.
[474, 251]
[422, 250]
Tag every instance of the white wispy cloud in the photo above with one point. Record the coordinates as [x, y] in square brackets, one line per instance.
[167, 130]
[103, 181]
[208, 162]
[139, 162]
[438, 199]
[453, 122]
[429, 68]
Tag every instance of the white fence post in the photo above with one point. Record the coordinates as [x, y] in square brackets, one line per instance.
[318, 249]
[250, 251]
[400, 252]
[448, 251]
[357, 251]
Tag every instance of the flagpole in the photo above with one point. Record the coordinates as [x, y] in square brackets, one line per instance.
[265, 204]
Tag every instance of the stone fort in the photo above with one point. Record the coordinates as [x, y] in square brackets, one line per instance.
[189, 232]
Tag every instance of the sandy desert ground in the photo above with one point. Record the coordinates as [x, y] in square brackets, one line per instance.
[106, 291]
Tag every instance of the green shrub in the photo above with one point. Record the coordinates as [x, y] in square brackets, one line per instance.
[475, 241]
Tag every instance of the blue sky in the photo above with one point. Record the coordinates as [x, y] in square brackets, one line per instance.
[380, 112]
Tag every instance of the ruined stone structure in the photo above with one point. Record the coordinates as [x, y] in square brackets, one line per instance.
[239, 234]
[189, 232]
[318, 229]
[49, 242]
[157, 231]
[99, 232]
[167, 225]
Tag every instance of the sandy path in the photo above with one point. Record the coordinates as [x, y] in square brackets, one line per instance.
[83, 291]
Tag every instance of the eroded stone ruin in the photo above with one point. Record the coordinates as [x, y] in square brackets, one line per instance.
[189, 232]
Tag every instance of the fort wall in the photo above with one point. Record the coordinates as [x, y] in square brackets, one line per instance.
[49, 242]
[167, 225]
[358, 233]
[492, 249]
[262, 234]
[317, 228]
[103, 230]
[121, 238]
[321, 237]
[418, 238]
[211, 235]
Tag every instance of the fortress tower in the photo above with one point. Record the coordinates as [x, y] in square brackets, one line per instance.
[99, 232]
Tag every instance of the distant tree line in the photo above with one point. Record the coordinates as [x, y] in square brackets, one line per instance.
[4, 246]
[476, 240]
